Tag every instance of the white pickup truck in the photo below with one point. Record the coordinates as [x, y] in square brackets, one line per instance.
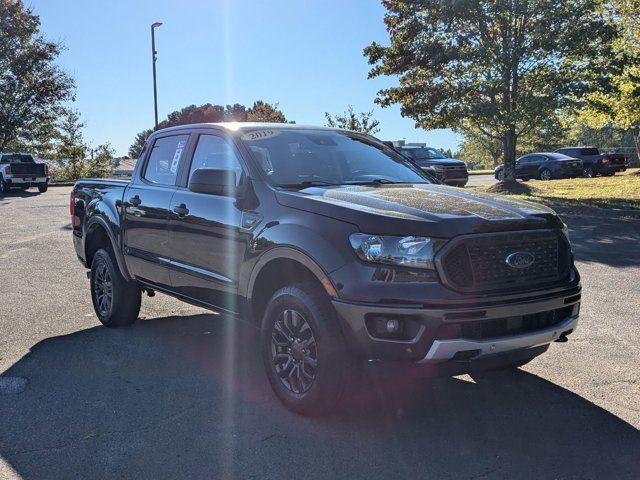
[20, 170]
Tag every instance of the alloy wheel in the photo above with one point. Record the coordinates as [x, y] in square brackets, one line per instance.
[294, 352]
[103, 288]
[545, 174]
[588, 172]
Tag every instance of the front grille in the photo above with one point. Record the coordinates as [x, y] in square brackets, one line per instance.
[503, 327]
[478, 263]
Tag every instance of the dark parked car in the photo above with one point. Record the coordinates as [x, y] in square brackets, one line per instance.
[447, 170]
[21, 170]
[544, 166]
[596, 163]
[340, 249]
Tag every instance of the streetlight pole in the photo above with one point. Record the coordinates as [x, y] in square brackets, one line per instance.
[154, 58]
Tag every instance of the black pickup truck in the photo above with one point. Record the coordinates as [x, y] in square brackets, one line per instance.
[341, 250]
[596, 163]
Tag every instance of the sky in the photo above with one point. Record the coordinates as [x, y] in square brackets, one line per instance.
[304, 55]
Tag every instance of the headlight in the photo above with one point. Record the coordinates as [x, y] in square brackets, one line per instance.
[410, 251]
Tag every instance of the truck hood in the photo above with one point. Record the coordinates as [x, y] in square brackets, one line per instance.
[449, 162]
[420, 209]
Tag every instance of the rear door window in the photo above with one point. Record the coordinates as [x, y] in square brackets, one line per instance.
[589, 151]
[164, 159]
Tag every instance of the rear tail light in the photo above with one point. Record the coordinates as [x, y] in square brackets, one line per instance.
[72, 208]
[46, 170]
[7, 169]
[605, 160]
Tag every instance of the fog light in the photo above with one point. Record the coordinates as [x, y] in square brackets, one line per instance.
[393, 326]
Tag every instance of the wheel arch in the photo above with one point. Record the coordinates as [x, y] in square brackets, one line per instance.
[97, 235]
[279, 267]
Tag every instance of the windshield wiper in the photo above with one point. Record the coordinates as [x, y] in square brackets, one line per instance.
[307, 184]
[384, 181]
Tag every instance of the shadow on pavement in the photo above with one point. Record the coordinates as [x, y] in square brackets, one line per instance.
[609, 240]
[187, 397]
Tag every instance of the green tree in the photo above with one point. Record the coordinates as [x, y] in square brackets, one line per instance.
[71, 149]
[138, 143]
[501, 67]
[265, 112]
[358, 122]
[619, 106]
[208, 113]
[101, 162]
[32, 87]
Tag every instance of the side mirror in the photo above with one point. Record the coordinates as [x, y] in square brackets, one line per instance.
[214, 181]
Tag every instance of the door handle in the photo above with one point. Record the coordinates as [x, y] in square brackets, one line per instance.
[181, 210]
[135, 201]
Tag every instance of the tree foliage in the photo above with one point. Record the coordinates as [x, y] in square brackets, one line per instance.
[358, 122]
[32, 87]
[260, 111]
[75, 159]
[500, 67]
[619, 106]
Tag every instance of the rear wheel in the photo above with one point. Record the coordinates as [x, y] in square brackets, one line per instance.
[43, 188]
[303, 350]
[4, 188]
[500, 175]
[115, 301]
[545, 174]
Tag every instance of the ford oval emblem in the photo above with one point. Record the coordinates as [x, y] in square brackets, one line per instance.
[520, 259]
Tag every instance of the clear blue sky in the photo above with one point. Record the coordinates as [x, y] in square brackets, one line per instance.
[304, 55]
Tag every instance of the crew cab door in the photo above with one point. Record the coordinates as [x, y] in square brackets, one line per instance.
[205, 237]
[146, 210]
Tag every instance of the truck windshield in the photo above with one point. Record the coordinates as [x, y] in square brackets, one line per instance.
[17, 158]
[426, 153]
[303, 157]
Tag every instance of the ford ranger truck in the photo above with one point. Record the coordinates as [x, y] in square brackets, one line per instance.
[338, 248]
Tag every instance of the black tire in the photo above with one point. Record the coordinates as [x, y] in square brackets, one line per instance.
[4, 188]
[115, 301]
[43, 188]
[545, 174]
[500, 175]
[300, 330]
[525, 179]
[588, 172]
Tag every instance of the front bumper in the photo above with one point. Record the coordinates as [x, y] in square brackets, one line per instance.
[441, 333]
[442, 350]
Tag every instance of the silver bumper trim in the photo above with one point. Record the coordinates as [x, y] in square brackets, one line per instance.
[446, 349]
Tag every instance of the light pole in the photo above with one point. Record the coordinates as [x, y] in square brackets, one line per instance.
[154, 58]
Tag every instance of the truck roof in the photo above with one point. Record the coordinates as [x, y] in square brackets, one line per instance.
[236, 126]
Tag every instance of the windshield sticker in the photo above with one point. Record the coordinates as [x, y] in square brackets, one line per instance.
[176, 160]
[181, 144]
[259, 135]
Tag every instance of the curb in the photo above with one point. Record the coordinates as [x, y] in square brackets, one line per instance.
[596, 211]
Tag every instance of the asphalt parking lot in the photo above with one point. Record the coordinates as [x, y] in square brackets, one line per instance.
[477, 180]
[182, 393]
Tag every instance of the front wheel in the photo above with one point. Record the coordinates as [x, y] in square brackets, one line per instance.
[545, 174]
[589, 172]
[500, 175]
[303, 350]
[4, 188]
[115, 301]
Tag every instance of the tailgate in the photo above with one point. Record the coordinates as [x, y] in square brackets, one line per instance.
[27, 170]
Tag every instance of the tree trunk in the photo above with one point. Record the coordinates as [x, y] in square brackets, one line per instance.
[636, 139]
[509, 143]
